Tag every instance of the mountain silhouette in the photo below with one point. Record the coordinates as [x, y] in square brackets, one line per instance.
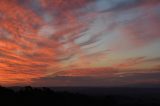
[26, 96]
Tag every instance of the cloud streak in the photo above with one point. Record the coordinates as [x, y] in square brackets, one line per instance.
[44, 38]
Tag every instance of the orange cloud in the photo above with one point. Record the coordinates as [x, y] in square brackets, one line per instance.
[91, 72]
[25, 53]
[131, 62]
[39, 41]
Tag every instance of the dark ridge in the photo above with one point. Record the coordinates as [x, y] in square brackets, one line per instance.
[77, 96]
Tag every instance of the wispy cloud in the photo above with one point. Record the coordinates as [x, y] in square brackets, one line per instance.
[42, 38]
[130, 79]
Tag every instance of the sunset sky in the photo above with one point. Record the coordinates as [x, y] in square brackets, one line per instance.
[79, 42]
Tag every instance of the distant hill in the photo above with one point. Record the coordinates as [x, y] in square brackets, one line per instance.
[79, 96]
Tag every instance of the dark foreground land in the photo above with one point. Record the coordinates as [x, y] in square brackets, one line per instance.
[28, 96]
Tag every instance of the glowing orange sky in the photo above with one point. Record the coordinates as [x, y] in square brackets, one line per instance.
[43, 39]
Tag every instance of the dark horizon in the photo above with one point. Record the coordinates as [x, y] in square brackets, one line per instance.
[27, 96]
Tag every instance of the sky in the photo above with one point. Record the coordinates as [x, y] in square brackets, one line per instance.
[79, 42]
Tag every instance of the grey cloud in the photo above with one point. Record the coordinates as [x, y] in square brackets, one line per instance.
[126, 80]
